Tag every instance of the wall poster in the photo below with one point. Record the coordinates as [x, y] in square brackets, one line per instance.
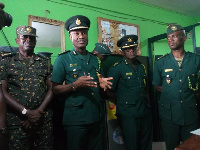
[110, 31]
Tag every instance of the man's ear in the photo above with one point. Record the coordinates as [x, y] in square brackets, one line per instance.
[185, 38]
[17, 40]
[70, 37]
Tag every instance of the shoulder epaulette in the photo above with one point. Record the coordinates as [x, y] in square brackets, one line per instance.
[115, 64]
[162, 56]
[45, 57]
[3, 55]
[63, 53]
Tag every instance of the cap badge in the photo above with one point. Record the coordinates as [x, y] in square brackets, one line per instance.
[78, 22]
[129, 40]
[173, 28]
[28, 29]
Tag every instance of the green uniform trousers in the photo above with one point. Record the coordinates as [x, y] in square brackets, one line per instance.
[174, 133]
[137, 132]
[85, 137]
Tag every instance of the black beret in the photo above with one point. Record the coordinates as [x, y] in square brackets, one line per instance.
[173, 27]
[77, 22]
[102, 49]
[128, 41]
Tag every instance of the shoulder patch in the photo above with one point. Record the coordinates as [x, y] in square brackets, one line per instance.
[63, 53]
[163, 56]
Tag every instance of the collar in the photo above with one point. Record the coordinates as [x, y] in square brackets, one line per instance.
[18, 56]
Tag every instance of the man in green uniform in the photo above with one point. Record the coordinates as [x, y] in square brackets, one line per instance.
[27, 89]
[132, 103]
[101, 50]
[175, 76]
[80, 70]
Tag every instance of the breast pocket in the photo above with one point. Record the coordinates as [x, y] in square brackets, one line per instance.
[41, 73]
[168, 77]
[128, 80]
[75, 72]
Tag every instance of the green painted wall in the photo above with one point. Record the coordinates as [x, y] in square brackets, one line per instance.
[197, 34]
[151, 20]
[161, 47]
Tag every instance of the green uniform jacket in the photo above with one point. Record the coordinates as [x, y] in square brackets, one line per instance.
[26, 83]
[84, 105]
[177, 102]
[129, 85]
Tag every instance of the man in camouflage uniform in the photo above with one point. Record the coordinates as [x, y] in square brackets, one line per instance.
[27, 89]
[3, 129]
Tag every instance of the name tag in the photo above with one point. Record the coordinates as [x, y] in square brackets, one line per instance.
[129, 73]
[71, 65]
[168, 70]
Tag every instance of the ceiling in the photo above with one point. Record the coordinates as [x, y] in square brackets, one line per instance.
[186, 7]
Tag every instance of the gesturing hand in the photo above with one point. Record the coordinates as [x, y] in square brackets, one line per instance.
[85, 81]
[104, 82]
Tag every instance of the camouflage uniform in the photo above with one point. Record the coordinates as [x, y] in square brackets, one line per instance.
[27, 84]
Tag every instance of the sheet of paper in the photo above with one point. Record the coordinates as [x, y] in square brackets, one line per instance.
[197, 132]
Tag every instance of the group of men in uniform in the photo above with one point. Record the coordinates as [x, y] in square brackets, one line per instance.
[29, 84]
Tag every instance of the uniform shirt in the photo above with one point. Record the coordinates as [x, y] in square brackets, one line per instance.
[129, 85]
[84, 105]
[177, 102]
[26, 82]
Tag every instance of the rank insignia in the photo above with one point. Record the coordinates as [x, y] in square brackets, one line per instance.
[168, 79]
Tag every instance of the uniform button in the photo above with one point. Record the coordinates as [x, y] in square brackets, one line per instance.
[180, 80]
[180, 91]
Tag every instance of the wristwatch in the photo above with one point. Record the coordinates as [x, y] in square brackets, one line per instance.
[3, 130]
[24, 111]
[72, 87]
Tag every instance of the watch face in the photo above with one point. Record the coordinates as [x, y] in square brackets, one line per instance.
[24, 111]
